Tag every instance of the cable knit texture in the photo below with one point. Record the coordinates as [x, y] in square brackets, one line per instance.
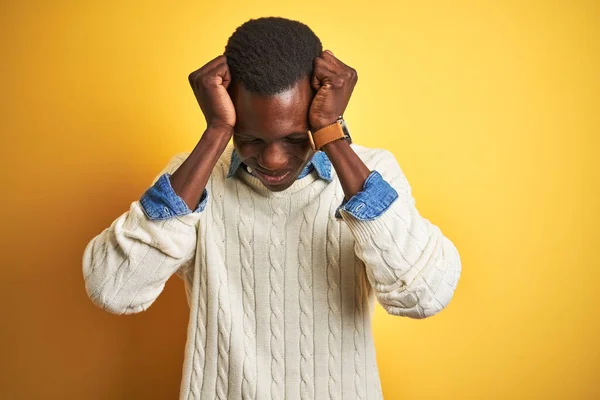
[281, 293]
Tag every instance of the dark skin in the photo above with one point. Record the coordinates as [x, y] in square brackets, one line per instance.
[270, 131]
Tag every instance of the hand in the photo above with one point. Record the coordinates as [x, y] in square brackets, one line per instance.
[210, 84]
[334, 82]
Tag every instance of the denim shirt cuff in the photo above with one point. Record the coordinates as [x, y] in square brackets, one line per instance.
[161, 202]
[375, 198]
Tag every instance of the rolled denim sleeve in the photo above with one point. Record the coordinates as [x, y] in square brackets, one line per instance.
[376, 196]
[161, 202]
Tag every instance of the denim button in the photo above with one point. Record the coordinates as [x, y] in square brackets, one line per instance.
[360, 206]
[166, 210]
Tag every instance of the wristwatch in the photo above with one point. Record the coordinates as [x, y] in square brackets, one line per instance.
[327, 134]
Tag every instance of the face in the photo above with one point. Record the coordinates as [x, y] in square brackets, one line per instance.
[270, 133]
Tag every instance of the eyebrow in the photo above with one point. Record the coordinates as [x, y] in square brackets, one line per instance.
[296, 134]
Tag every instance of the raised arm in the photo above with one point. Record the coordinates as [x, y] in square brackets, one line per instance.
[127, 265]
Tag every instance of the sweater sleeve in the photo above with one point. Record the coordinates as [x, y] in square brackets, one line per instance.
[413, 268]
[125, 267]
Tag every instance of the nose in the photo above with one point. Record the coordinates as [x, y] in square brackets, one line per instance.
[272, 158]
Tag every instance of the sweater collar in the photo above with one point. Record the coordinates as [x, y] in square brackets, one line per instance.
[319, 162]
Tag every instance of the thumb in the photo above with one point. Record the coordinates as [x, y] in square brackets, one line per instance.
[222, 71]
[315, 83]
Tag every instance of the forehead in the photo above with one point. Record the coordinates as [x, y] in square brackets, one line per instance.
[274, 116]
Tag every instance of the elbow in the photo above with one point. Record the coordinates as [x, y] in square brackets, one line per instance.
[120, 309]
[418, 300]
[115, 299]
[115, 305]
[411, 304]
[110, 307]
[432, 291]
[110, 291]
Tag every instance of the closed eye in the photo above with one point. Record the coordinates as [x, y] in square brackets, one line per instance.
[296, 139]
[249, 140]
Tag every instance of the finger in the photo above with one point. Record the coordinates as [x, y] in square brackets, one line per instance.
[324, 68]
[212, 63]
[328, 64]
[215, 62]
[222, 74]
[315, 82]
[328, 55]
[219, 68]
[320, 80]
[322, 74]
[226, 75]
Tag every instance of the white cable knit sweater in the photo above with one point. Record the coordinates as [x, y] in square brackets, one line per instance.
[281, 294]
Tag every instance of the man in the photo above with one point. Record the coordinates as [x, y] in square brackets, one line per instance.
[283, 241]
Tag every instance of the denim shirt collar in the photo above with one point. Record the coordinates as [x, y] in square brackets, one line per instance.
[319, 162]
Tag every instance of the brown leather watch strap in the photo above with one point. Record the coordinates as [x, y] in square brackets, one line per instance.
[326, 135]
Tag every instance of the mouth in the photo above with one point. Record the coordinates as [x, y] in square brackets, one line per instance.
[272, 179]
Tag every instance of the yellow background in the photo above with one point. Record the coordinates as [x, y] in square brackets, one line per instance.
[491, 108]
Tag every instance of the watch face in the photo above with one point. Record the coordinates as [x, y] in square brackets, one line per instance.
[346, 131]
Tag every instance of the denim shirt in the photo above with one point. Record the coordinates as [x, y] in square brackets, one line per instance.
[161, 202]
